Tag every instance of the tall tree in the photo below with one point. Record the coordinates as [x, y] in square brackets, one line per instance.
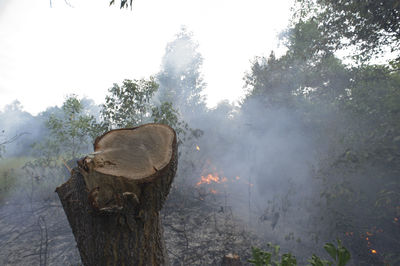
[180, 78]
[372, 26]
[307, 69]
[351, 114]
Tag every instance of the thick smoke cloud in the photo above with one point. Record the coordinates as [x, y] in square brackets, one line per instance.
[268, 159]
[263, 156]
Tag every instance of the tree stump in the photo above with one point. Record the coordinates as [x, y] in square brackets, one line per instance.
[114, 196]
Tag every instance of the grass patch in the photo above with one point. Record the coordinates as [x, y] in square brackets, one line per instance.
[10, 171]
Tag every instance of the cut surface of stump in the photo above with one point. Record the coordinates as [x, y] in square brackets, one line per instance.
[122, 160]
[112, 200]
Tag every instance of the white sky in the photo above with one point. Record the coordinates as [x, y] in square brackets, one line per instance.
[47, 53]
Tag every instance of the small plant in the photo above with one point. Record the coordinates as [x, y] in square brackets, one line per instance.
[316, 261]
[339, 254]
[261, 257]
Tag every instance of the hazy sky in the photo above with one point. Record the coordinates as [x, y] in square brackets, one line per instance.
[47, 53]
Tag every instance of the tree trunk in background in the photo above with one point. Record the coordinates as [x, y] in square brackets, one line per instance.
[113, 198]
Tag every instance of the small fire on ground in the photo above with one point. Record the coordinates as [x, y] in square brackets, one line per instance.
[368, 236]
[210, 181]
[210, 178]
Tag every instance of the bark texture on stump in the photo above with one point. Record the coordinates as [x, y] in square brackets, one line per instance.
[113, 198]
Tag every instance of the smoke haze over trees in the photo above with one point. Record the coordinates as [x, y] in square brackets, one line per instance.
[310, 155]
[180, 78]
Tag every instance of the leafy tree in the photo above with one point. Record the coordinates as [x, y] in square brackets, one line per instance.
[307, 71]
[70, 132]
[166, 114]
[129, 105]
[180, 79]
[351, 114]
[369, 25]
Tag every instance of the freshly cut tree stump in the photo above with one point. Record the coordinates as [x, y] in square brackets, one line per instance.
[114, 196]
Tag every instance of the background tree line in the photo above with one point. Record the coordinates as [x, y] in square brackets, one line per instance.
[350, 110]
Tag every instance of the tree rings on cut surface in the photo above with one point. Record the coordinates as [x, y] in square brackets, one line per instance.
[125, 159]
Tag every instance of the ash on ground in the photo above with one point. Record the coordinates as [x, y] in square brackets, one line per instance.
[198, 230]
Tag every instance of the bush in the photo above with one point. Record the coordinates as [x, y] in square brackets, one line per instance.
[339, 254]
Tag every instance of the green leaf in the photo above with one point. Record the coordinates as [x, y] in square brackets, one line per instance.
[276, 249]
[288, 260]
[316, 261]
[343, 254]
[331, 249]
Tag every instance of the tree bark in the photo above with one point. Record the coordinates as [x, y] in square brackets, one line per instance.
[114, 196]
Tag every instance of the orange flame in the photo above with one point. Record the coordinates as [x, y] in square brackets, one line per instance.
[211, 178]
[197, 148]
[373, 251]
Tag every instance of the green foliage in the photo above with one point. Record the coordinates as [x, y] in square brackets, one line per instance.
[10, 170]
[288, 260]
[166, 114]
[351, 114]
[339, 254]
[7, 182]
[307, 72]
[369, 25]
[260, 257]
[129, 105]
[316, 261]
[70, 133]
[272, 257]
